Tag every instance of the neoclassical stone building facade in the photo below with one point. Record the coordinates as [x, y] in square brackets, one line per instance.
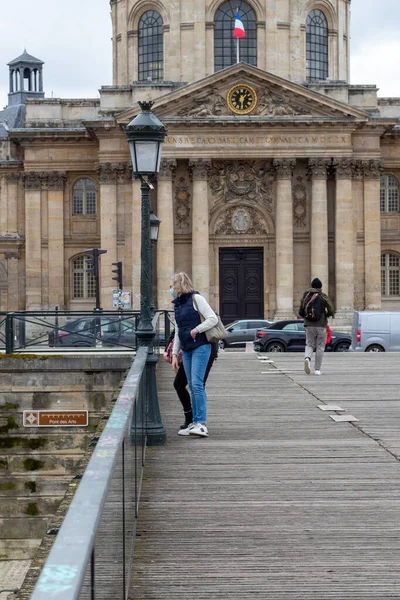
[275, 169]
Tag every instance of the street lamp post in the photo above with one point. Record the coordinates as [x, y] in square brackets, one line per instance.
[146, 135]
[154, 230]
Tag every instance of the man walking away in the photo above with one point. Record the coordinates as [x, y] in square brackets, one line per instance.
[315, 308]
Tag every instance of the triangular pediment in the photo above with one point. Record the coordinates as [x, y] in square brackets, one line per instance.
[275, 99]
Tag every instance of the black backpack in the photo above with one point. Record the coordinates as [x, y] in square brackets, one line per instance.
[313, 306]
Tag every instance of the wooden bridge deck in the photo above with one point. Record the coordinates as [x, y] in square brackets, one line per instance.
[280, 502]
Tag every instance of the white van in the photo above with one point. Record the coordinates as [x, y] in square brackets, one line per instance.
[376, 331]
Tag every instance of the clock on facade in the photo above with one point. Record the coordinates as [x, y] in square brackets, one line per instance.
[242, 99]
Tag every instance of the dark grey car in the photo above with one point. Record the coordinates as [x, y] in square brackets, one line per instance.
[241, 332]
[85, 331]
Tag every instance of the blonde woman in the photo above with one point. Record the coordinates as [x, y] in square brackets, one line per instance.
[190, 337]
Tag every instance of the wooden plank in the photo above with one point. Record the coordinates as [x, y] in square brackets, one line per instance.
[279, 502]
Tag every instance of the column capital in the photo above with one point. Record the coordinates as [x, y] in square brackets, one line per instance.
[13, 177]
[33, 181]
[124, 172]
[11, 255]
[284, 167]
[167, 169]
[56, 180]
[343, 168]
[373, 168]
[319, 167]
[200, 169]
[107, 173]
[357, 170]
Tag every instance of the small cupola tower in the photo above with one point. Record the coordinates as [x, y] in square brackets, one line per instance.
[26, 79]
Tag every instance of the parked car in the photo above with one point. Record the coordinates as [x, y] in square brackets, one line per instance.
[290, 336]
[82, 332]
[376, 331]
[241, 332]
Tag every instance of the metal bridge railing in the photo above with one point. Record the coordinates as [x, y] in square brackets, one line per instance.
[93, 552]
[74, 331]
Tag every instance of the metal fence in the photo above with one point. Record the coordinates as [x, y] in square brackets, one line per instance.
[92, 555]
[74, 331]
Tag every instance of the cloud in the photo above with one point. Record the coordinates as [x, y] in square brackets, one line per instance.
[372, 63]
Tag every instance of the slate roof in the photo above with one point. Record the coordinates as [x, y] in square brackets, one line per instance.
[26, 58]
[12, 117]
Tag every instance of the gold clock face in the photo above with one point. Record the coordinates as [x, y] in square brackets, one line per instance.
[242, 99]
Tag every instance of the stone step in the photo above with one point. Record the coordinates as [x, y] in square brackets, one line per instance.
[26, 399]
[40, 463]
[29, 507]
[31, 485]
[23, 528]
[42, 441]
[17, 550]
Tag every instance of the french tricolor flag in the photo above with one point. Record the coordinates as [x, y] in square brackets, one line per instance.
[238, 31]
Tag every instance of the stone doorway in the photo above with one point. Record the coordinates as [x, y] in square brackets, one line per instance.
[241, 283]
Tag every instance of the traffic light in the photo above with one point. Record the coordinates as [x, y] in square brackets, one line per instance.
[118, 272]
[92, 262]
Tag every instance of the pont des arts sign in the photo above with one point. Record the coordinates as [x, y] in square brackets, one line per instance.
[55, 418]
[250, 142]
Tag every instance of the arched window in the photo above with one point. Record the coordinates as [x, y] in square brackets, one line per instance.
[151, 50]
[390, 280]
[317, 46]
[225, 45]
[84, 197]
[389, 194]
[83, 282]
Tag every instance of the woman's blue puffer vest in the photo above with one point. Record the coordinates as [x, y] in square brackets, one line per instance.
[187, 318]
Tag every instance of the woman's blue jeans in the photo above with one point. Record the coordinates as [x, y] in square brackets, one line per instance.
[195, 365]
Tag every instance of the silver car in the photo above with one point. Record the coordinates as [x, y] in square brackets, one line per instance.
[241, 332]
[376, 331]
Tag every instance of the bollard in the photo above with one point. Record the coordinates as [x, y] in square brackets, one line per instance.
[249, 347]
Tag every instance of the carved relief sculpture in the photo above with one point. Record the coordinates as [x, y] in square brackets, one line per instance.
[208, 104]
[183, 206]
[274, 104]
[238, 220]
[299, 194]
[373, 169]
[247, 181]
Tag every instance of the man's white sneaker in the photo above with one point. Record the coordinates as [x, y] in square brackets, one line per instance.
[307, 362]
[317, 372]
[199, 429]
[186, 431]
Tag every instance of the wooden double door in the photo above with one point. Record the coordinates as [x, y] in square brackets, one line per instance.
[241, 283]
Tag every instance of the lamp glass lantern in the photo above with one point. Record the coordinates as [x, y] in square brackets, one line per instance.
[154, 227]
[146, 135]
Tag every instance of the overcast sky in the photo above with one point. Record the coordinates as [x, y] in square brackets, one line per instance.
[74, 40]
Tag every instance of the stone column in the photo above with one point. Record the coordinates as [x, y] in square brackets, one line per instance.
[319, 220]
[284, 238]
[372, 231]
[33, 241]
[55, 200]
[12, 281]
[344, 252]
[12, 202]
[108, 230]
[165, 246]
[200, 226]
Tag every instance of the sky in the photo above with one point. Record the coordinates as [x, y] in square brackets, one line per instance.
[74, 40]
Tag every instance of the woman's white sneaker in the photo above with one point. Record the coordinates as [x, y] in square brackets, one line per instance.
[187, 430]
[198, 429]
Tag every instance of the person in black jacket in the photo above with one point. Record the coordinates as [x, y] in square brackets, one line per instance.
[180, 382]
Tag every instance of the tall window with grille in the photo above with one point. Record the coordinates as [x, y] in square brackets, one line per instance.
[84, 197]
[225, 45]
[151, 48]
[389, 194]
[83, 283]
[390, 281]
[317, 46]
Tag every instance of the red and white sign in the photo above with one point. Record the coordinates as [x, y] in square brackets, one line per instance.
[56, 418]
